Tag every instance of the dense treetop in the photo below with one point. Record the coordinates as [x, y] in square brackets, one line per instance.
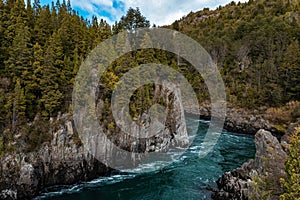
[255, 44]
[256, 47]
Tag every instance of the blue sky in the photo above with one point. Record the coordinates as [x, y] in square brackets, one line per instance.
[159, 12]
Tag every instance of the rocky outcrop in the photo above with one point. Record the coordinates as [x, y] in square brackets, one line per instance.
[267, 165]
[61, 162]
[290, 130]
[65, 160]
[126, 145]
[239, 120]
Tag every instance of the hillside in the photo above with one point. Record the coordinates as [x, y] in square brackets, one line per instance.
[256, 47]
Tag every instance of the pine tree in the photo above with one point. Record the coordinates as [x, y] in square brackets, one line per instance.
[44, 26]
[20, 51]
[51, 77]
[131, 21]
[290, 71]
[33, 89]
[30, 15]
[37, 8]
[123, 63]
[54, 18]
[3, 18]
[69, 7]
[19, 106]
[145, 55]
[104, 31]
[15, 16]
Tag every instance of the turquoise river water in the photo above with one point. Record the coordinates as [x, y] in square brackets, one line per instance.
[185, 178]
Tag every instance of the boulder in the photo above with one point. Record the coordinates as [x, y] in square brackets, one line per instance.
[269, 162]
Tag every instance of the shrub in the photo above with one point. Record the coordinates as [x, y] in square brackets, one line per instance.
[1, 146]
[296, 112]
[284, 115]
[291, 184]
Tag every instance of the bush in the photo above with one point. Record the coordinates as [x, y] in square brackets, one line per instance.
[291, 184]
[284, 115]
[36, 135]
[296, 113]
[1, 146]
[266, 185]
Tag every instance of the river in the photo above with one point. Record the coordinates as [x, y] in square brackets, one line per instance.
[185, 178]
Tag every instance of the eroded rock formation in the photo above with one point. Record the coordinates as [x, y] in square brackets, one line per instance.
[269, 163]
[65, 161]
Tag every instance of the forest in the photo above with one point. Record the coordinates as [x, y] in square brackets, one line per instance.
[255, 45]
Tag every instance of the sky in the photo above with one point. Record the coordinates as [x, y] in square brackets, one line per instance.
[159, 12]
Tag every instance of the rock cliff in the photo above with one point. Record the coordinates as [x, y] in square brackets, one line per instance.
[239, 120]
[268, 164]
[65, 161]
[62, 161]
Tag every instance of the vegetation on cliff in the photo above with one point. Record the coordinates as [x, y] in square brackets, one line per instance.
[291, 184]
[255, 44]
[256, 47]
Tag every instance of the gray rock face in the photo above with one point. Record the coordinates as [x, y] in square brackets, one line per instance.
[239, 120]
[242, 122]
[64, 162]
[153, 132]
[60, 162]
[269, 161]
[290, 130]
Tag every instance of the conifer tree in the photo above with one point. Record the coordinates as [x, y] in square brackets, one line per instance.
[30, 15]
[3, 18]
[291, 71]
[43, 27]
[37, 7]
[19, 106]
[131, 21]
[51, 76]
[20, 51]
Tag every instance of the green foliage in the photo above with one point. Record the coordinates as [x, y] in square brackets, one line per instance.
[19, 106]
[260, 189]
[1, 146]
[291, 184]
[256, 47]
[41, 49]
[267, 184]
[131, 21]
[255, 44]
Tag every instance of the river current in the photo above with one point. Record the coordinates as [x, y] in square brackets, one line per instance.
[186, 178]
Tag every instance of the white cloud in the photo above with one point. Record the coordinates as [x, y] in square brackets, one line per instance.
[100, 8]
[159, 12]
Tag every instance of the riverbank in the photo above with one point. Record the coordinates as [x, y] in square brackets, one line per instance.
[185, 178]
[63, 161]
[240, 120]
[66, 159]
[258, 178]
